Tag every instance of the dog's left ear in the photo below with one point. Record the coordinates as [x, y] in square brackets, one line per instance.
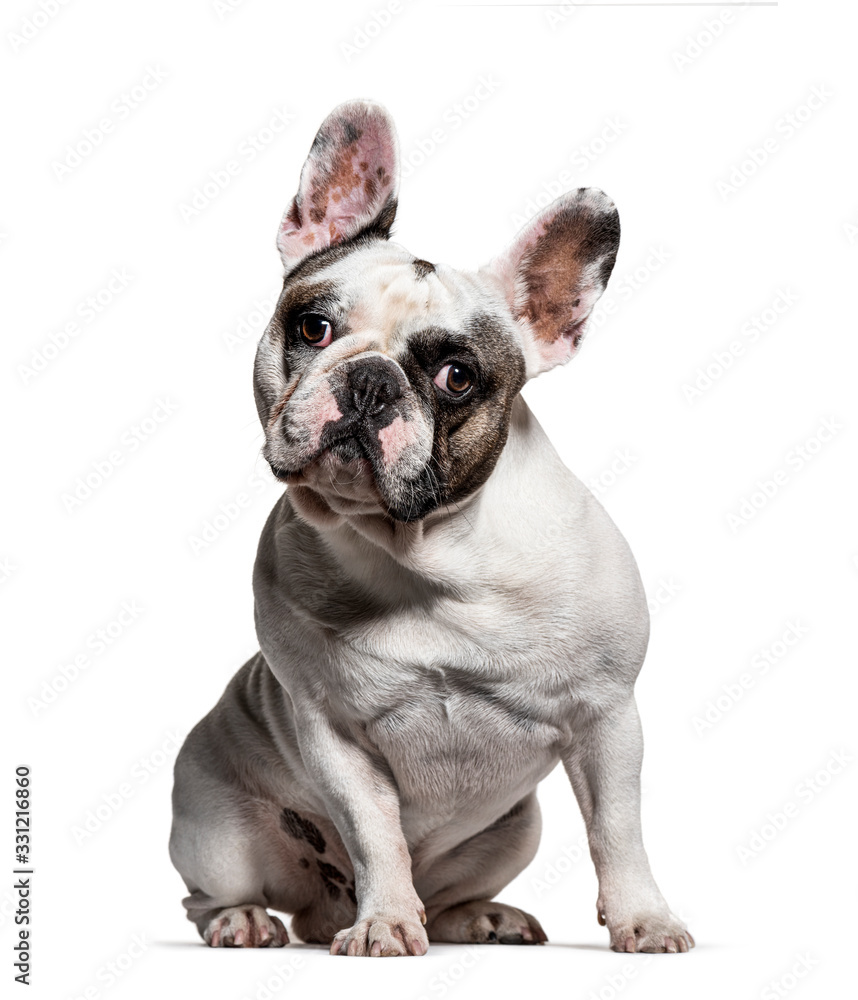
[555, 271]
[348, 184]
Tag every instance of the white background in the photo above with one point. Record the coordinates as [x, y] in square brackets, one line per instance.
[614, 96]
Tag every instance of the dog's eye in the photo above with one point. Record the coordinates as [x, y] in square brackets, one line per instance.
[316, 330]
[455, 379]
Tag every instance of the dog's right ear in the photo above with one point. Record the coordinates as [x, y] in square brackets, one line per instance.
[348, 184]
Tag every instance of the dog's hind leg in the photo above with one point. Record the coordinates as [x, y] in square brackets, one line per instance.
[217, 845]
[241, 855]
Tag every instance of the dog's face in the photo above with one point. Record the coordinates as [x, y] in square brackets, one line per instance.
[385, 383]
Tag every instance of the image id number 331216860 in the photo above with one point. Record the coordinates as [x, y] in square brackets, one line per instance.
[22, 884]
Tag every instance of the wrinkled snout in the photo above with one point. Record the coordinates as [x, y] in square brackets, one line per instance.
[373, 415]
[363, 414]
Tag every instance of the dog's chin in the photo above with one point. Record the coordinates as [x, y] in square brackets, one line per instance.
[342, 477]
[342, 480]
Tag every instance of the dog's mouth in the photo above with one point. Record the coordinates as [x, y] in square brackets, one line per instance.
[345, 450]
[348, 469]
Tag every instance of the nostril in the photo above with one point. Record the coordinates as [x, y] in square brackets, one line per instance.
[373, 388]
[388, 390]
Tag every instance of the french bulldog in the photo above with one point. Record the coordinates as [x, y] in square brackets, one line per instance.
[444, 611]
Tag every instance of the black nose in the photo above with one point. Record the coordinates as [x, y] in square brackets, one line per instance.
[373, 385]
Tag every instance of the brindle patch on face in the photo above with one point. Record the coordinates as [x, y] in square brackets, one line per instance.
[559, 269]
[280, 354]
[469, 432]
[307, 296]
[302, 829]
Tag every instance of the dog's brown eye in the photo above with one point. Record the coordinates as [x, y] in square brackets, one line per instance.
[316, 330]
[455, 379]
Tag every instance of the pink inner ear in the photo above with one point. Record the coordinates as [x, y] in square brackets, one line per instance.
[555, 271]
[346, 181]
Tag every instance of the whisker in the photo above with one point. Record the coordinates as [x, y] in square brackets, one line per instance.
[455, 503]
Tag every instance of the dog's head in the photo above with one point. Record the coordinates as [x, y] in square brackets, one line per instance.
[385, 382]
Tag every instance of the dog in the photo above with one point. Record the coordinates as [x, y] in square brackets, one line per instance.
[444, 611]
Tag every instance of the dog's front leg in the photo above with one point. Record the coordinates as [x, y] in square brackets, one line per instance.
[363, 803]
[603, 764]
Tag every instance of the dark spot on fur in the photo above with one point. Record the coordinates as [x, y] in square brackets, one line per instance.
[330, 871]
[332, 890]
[351, 133]
[302, 829]
[303, 862]
[335, 171]
[292, 824]
[423, 267]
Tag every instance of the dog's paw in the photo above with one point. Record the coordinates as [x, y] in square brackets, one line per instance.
[649, 932]
[381, 936]
[486, 922]
[245, 927]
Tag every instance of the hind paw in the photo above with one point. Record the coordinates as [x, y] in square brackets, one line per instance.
[245, 927]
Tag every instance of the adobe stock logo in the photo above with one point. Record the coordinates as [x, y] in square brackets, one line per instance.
[96, 644]
[246, 151]
[579, 160]
[703, 39]
[35, 22]
[733, 691]
[720, 362]
[365, 33]
[453, 118]
[131, 440]
[781, 818]
[786, 128]
[87, 311]
[796, 460]
[119, 110]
